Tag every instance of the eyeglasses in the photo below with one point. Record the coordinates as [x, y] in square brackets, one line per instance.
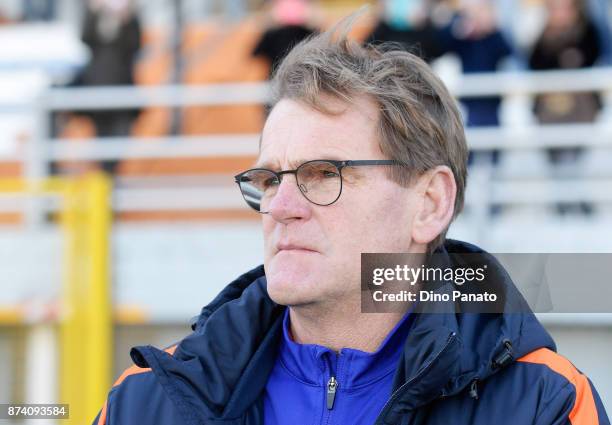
[319, 180]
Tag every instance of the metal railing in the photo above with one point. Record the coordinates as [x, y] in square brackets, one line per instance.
[518, 134]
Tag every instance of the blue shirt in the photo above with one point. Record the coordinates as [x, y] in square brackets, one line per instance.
[298, 390]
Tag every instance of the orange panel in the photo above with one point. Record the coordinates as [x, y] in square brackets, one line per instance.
[220, 165]
[10, 169]
[190, 216]
[11, 218]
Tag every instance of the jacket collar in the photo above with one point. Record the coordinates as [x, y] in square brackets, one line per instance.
[220, 370]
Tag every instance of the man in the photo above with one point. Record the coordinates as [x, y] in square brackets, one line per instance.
[363, 151]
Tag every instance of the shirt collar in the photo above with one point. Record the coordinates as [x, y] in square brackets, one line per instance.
[311, 363]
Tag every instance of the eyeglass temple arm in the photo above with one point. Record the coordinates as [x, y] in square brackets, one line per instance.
[370, 162]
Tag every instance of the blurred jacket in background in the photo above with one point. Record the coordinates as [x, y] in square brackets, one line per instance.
[112, 32]
[290, 27]
[408, 23]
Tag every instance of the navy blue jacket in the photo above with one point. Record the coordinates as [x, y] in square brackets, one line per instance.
[455, 368]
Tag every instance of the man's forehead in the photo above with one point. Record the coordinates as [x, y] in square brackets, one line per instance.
[281, 150]
[295, 133]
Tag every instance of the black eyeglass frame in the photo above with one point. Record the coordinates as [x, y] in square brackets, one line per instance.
[338, 164]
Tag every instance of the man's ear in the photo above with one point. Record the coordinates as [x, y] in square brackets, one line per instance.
[438, 190]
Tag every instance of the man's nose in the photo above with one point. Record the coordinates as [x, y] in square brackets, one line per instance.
[288, 203]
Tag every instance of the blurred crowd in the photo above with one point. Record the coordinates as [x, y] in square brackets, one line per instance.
[574, 34]
[469, 29]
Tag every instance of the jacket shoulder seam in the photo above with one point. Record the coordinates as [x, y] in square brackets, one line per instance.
[554, 362]
[584, 407]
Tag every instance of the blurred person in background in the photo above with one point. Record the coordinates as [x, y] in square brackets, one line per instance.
[230, 10]
[112, 32]
[39, 10]
[473, 35]
[5, 18]
[569, 41]
[599, 12]
[408, 23]
[289, 27]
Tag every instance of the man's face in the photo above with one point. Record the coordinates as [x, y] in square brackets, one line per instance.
[312, 252]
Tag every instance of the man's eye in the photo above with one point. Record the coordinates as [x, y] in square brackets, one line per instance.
[329, 174]
[272, 181]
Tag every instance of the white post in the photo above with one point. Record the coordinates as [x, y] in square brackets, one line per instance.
[35, 161]
[41, 365]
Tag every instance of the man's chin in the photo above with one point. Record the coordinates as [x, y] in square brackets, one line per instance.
[291, 300]
[292, 289]
[294, 279]
[294, 268]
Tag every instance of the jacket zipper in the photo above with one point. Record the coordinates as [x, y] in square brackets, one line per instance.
[332, 386]
[379, 420]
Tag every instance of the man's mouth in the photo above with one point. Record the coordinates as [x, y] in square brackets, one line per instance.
[293, 247]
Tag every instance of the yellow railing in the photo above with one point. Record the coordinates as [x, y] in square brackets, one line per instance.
[85, 321]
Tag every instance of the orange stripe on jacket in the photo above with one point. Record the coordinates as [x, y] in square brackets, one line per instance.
[134, 370]
[102, 418]
[584, 411]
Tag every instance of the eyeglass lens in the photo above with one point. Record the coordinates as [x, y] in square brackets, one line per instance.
[319, 181]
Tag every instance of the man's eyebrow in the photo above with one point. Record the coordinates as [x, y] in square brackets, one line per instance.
[264, 164]
[293, 164]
